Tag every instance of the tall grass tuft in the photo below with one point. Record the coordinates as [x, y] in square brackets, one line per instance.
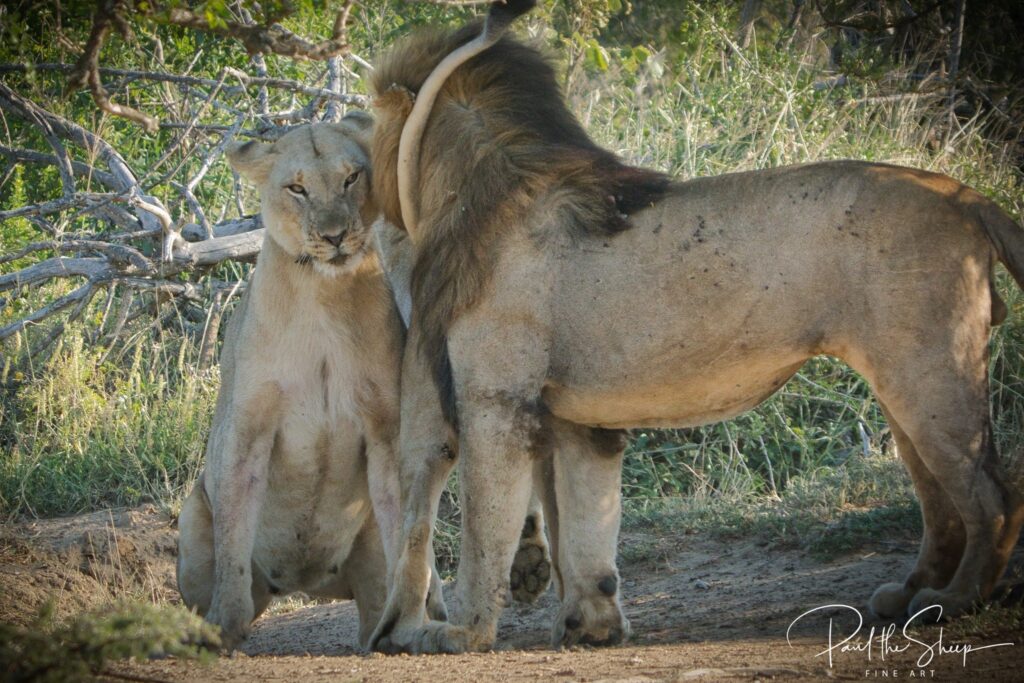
[88, 432]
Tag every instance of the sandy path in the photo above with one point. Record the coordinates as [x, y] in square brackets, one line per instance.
[701, 609]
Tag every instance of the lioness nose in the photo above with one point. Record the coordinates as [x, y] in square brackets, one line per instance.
[334, 240]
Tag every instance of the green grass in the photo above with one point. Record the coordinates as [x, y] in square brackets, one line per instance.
[85, 431]
[827, 511]
[81, 649]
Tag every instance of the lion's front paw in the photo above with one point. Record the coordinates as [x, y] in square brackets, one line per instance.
[592, 621]
[891, 600]
[434, 637]
[531, 569]
[234, 629]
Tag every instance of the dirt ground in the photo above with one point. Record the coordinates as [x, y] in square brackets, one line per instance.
[700, 608]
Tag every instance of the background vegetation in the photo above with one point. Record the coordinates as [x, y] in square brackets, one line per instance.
[116, 409]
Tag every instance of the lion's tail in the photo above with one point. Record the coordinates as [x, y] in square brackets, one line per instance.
[500, 16]
[1006, 236]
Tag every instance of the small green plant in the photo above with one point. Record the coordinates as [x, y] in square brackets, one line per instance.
[82, 649]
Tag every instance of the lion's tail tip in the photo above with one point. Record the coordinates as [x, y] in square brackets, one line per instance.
[504, 12]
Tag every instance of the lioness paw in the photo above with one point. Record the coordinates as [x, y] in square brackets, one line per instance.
[434, 637]
[930, 605]
[890, 600]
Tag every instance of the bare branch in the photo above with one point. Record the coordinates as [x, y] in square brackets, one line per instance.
[285, 84]
[274, 39]
[109, 14]
[77, 167]
[214, 153]
[55, 306]
[240, 247]
[195, 233]
[195, 207]
[127, 258]
[55, 205]
[91, 268]
[119, 169]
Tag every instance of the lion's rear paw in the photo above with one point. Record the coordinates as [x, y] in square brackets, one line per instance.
[531, 569]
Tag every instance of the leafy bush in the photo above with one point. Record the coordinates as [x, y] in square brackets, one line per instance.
[82, 649]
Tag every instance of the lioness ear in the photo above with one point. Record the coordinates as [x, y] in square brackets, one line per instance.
[253, 160]
[359, 125]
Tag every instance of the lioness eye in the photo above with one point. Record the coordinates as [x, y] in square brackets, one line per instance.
[352, 178]
[296, 189]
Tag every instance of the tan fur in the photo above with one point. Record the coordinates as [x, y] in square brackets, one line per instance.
[701, 306]
[300, 489]
[510, 161]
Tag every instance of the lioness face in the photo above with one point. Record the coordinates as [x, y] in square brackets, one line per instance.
[313, 183]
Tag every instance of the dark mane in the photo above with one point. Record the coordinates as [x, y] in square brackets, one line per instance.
[499, 137]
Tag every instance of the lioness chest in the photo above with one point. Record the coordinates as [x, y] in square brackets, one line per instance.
[317, 498]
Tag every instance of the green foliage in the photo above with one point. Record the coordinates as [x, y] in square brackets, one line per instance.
[81, 649]
[87, 431]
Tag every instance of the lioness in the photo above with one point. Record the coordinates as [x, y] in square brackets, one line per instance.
[300, 489]
[561, 295]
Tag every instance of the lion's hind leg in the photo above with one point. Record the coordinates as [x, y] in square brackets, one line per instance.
[588, 479]
[972, 517]
[942, 546]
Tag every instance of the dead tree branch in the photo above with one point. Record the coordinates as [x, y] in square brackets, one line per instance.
[272, 39]
[109, 14]
[120, 247]
[268, 38]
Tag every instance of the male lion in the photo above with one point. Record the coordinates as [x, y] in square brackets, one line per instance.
[561, 295]
[300, 490]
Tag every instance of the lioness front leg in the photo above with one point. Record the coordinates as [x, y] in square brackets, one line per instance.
[240, 484]
[385, 492]
[588, 474]
[426, 459]
[194, 568]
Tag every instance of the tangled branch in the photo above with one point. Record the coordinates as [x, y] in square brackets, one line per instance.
[145, 238]
[267, 38]
[272, 39]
